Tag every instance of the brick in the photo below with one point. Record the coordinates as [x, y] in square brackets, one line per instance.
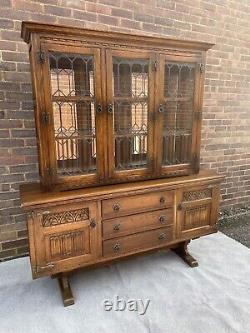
[13, 56]
[108, 20]
[9, 254]
[6, 24]
[130, 24]
[11, 143]
[10, 35]
[14, 244]
[22, 133]
[122, 13]
[8, 66]
[92, 17]
[144, 18]
[98, 8]
[28, 6]
[58, 11]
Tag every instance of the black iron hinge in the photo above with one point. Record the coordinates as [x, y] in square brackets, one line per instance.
[41, 56]
[201, 66]
[195, 162]
[45, 117]
[154, 65]
[49, 172]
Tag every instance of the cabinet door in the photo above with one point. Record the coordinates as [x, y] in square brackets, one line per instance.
[178, 102]
[197, 211]
[72, 116]
[130, 103]
[65, 237]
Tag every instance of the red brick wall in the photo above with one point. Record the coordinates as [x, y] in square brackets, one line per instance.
[226, 123]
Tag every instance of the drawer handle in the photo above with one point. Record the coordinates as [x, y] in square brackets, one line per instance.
[116, 227]
[92, 223]
[162, 200]
[162, 236]
[162, 219]
[116, 247]
[116, 207]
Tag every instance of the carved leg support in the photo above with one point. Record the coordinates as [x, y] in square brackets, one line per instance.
[183, 253]
[67, 295]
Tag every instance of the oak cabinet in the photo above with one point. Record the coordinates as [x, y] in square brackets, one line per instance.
[112, 108]
[118, 121]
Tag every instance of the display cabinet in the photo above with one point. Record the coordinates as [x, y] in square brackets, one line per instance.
[113, 107]
[118, 121]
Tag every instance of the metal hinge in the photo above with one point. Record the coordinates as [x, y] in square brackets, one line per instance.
[45, 117]
[201, 68]
[41, 56]
[154, 66]
[49, 171]
[195, 162]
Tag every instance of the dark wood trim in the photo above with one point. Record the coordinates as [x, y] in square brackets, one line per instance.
[29, 27]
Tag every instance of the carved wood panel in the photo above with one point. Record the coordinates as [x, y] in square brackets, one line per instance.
[68, 244]
[197, 195]
[196, 217]
[77, 215]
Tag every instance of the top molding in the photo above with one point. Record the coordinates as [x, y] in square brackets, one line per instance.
[42, 29]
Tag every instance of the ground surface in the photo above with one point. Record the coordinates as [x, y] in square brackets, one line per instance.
[214, 297]
[237, 228]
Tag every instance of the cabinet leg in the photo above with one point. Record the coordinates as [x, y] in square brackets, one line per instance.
[183, 253]
[67, 295]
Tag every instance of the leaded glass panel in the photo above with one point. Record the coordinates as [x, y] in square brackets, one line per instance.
[130, 96]
[73, 99]
[179, 87]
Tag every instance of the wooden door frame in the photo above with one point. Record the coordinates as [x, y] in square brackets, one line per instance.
[139, 173]
[193, 166]
[64, 182]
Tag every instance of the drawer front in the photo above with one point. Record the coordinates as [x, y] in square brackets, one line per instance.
[143, 240]
[136, 204]
[132, 224]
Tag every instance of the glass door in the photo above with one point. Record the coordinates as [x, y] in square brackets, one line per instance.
[178, 109]
[74, 112]
[129, 106]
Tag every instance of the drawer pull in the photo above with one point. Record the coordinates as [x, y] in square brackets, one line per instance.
[92, 223]
[162, 236]
[116, 207]
[162, 219]
[116, 227]
[162, 200]
[116, 247]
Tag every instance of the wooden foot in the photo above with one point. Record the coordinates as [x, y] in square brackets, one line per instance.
[183, 253]
[67, 295]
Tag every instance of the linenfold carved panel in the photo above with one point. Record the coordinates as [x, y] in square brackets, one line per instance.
[196, 217]
[68, 245]
[77, 215]
[197, 195]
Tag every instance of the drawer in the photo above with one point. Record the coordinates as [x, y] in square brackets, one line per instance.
[142, 240]
[132, 224]
[137, 203]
